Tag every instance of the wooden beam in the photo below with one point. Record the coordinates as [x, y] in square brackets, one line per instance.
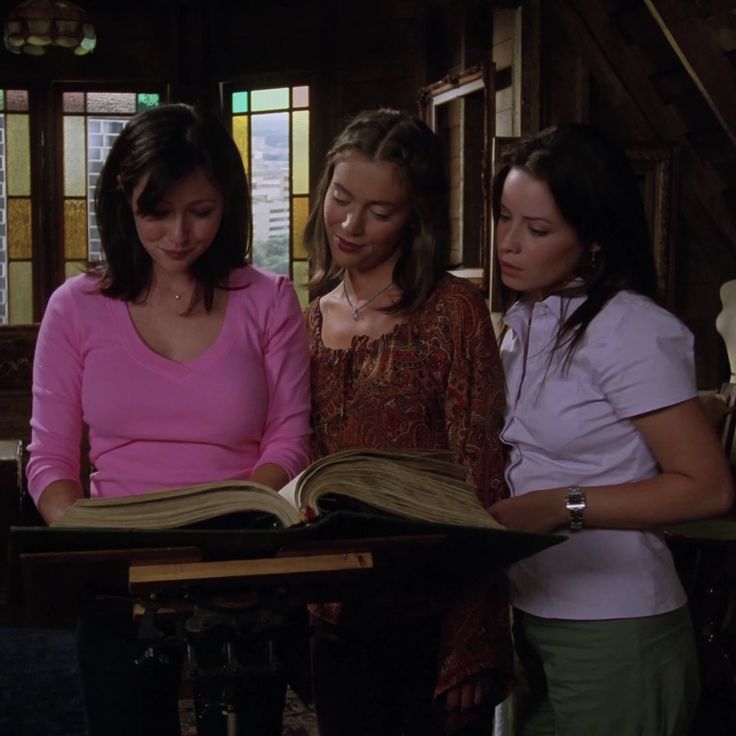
[589, 25]
[623, 71]
[701, 57]
[531, 117]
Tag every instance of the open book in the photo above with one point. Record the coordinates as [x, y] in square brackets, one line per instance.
[411, 484]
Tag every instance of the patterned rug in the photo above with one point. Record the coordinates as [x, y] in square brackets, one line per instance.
[299, 719]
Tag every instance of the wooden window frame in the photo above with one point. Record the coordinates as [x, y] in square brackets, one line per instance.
[453, 87]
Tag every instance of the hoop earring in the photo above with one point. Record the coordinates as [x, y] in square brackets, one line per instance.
[594, 260]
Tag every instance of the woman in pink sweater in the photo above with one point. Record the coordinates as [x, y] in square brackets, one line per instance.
[186, 364]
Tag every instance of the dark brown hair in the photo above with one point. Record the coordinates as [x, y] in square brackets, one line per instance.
[597, 193]
[167, 143]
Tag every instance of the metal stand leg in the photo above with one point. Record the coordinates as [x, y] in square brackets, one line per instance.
[229, 657]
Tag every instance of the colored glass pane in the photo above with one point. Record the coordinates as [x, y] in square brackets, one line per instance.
[273, 139]
[110, 102]
[20, 296]
[20, 235]
[16, 100]
[242, 139]
[300, 213]
[2, 99]
[75, 179]
[73, 102]
[300, 97]
[18, 155]
[74, 268]
[300, 277]
[300, 152]
[270, 161]
[240, 102]
[75, 228]
[270, 99]
[147, 100]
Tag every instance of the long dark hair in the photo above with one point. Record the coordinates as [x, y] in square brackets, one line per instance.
[165, 144]
[597, 193]
[395, 137]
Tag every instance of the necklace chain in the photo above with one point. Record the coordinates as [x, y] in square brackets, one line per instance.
[355, 310]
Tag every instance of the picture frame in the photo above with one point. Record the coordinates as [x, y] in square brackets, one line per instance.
[655, 166]
[460, 108]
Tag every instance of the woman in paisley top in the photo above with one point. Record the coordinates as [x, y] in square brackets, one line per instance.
[403, 356]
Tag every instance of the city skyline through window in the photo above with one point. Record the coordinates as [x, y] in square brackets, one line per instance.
[271, 129]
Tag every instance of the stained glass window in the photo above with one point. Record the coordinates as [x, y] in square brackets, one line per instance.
[271, 129]
[16, 222]
[89, 123]
[92, 121]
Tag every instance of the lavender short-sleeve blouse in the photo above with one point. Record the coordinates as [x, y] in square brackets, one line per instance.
[572, 428]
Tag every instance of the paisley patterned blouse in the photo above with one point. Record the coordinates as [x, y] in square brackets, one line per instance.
[433, 382]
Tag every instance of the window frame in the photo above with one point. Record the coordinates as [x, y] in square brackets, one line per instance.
[451, 88]
[45, 111]
[290, 79]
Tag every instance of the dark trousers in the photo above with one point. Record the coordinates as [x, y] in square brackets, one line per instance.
[380, 681]
[127, 693]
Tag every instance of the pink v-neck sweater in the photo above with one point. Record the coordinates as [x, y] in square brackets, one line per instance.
[155, 423]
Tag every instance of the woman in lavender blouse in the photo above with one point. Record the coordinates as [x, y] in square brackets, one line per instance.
[607, 443]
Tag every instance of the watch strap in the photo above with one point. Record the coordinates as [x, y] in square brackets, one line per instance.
[575, 504]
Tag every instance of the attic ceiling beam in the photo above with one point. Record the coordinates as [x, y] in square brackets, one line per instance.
[590, 28]
[702, 58]
[622, 69]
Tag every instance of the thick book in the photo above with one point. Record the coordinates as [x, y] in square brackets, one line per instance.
[413, 513]
[417, 485]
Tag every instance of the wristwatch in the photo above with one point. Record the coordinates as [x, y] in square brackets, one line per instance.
[575, 504]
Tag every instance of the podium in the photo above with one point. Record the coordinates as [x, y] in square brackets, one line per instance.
[229, 592]
[51, 569]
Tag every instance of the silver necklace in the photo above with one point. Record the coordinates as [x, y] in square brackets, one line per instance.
[178, 296]
[355, 309]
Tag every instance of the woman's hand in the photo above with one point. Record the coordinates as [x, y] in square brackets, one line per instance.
[694, 482]
[463, 702]
[271, 475]
[540, 512]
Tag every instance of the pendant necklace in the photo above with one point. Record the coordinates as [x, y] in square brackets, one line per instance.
[182, 294]
[355, 309]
